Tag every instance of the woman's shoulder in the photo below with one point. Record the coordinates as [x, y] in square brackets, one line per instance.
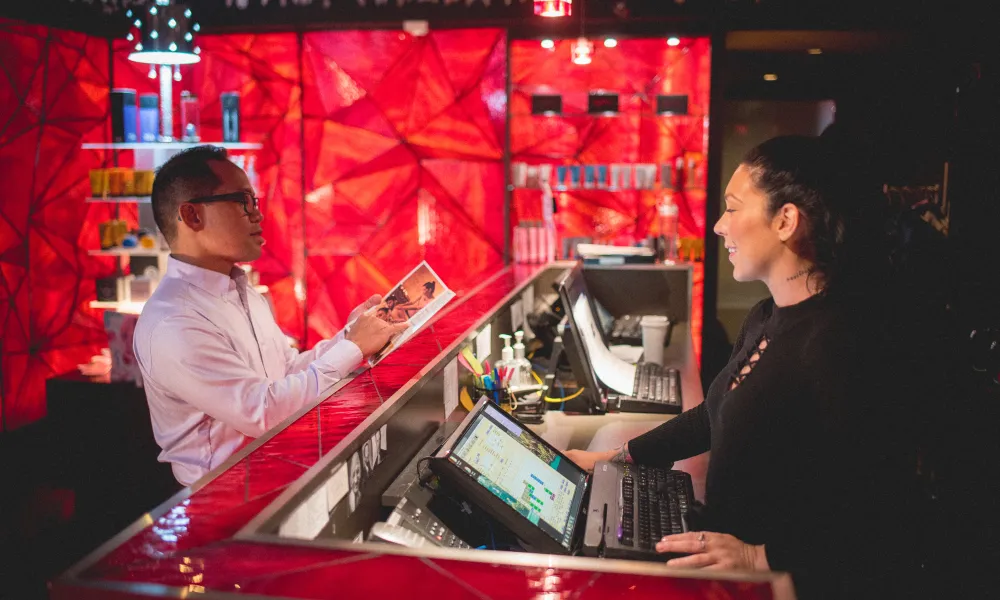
[760, 312]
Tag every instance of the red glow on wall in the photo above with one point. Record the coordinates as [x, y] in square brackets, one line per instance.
[54, 96]
[403, 162]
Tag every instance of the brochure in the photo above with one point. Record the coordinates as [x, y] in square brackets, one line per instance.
[414, 300]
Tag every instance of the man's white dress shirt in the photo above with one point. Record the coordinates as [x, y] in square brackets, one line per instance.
[217, 369]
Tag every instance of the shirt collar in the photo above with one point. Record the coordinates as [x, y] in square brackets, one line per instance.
[212, 282]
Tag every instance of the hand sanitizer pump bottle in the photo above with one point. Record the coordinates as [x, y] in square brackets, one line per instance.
[522, 366]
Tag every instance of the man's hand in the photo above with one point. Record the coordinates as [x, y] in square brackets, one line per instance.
[371, 333]
[372, 302]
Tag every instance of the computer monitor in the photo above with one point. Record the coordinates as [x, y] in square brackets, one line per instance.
[516, 477]
[604, 367]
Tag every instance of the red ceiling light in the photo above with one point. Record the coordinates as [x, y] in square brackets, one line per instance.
[554, 8]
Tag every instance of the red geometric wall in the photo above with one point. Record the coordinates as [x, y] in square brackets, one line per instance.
[638, 70]
[404, 162]
[53, 97]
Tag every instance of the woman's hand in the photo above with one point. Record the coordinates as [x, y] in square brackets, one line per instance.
[709, 550]
[586, 460]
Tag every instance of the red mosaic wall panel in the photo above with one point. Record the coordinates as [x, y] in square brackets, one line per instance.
[404, 162]
[53, 97]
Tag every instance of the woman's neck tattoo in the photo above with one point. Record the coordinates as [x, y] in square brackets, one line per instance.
[800, 273]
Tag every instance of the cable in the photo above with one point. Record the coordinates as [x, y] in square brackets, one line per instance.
[556, 400]
[420, 479]
[570, 397]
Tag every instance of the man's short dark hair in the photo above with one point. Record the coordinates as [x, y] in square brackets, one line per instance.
[185, 176]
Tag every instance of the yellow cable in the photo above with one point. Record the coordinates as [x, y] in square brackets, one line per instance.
[557, 400]
[570, 397]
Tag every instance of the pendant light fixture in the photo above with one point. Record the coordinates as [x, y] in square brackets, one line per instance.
[165, 34]
[582, 50]
[554, 8]
[164, 37]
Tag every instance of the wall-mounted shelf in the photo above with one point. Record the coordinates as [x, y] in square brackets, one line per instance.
[114, 199]
[170, 145]
[128, 252]
[136, 307]
[563, 188]
[125, 307]
[623, 113]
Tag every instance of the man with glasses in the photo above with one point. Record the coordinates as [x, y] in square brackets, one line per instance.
[216, 367]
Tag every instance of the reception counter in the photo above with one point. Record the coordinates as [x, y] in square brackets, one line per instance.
[252, 527]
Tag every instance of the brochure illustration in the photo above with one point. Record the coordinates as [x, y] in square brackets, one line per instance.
[414, 300]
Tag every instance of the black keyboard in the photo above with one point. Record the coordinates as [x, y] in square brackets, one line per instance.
[631, 507]
[655, 390]
[654, 503]
[653, 383]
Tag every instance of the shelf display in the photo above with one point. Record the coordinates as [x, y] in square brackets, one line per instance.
[118, 181]
[679, 174]
[169, 145]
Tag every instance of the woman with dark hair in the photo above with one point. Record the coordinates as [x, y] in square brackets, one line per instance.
[789, 484]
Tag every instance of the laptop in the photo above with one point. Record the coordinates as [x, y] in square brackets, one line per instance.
[644, 388]
[549, 503]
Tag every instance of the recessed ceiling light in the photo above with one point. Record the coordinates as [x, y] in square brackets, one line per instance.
[815, 51]
[770, 77]
[610, 42]
[672, 41]
[548, 44]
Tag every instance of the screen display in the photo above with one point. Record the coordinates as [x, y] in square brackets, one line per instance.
[610, 370]
[523, 471]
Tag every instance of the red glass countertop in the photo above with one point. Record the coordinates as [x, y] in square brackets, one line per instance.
[189, 547]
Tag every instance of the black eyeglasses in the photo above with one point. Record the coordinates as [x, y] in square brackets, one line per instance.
[248, 199]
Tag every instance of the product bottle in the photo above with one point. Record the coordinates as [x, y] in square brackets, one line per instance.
[668, 229]
[506, 357]
[149, 117]
[522, 366]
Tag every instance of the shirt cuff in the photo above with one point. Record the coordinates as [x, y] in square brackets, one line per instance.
[342, 358]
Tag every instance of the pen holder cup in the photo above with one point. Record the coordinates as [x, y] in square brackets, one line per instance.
[501, 397]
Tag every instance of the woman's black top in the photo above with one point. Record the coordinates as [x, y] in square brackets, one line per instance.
[788, 433]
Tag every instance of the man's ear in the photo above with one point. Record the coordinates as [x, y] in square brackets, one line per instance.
[787, 221]
[189, 215]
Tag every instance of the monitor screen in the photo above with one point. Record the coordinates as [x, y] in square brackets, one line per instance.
[522, 470]
[610, 370]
